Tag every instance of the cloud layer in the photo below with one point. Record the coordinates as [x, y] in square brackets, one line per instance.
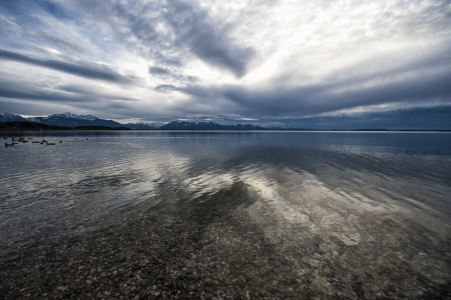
[274, 62]
[78, 68]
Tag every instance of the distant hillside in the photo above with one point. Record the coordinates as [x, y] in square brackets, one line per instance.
[7, 117]
[141, 126]
[72, 120]
[100, 128]
[280, 128]
[183, 125]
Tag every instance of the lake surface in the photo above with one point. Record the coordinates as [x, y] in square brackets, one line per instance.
[364, 200]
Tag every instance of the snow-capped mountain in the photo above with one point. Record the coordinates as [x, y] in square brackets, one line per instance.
[7, 117]
[153, 124]
[73, 116]
[203, 125]
[141, 125]
[72, 120]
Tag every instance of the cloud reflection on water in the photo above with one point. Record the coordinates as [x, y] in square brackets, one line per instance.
[338, 195]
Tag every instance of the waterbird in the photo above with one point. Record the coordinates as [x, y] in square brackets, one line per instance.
[9, 145]
[61, 142]
[50, 144]
[35, 142]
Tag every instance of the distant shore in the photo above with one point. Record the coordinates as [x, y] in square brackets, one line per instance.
[38, 127]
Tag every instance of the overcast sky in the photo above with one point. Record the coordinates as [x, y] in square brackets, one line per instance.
[323, 64]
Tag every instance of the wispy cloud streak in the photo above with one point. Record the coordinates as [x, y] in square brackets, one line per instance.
[83, 69]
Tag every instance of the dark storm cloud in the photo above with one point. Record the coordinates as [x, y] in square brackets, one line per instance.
[92, 92]
[188, 30]
[318, 99]
[47, 92]
[83, 69]
[322, 98]
[41, 95]
[165, 88]
[169, 76]
[46, 98]
[420, 118]
[194, 28]
[159, 71]
[118, 106]
[415, 80]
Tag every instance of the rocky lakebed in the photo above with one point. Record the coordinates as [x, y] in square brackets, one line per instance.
[215, 248]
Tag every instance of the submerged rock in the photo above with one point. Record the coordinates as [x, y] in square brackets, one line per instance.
[191, 253]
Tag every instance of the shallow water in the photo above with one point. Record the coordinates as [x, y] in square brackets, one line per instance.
[361, 199]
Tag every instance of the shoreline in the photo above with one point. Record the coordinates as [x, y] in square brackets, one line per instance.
[29, 127]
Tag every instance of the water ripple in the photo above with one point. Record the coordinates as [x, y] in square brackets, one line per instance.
[315, 180]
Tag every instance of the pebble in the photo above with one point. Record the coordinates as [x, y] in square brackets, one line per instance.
[180, 254]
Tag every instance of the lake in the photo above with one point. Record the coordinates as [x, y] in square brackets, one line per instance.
[256, 214]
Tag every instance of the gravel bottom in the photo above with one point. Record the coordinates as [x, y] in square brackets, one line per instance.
[213, 250]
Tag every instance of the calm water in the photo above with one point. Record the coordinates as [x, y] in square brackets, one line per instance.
[385, 191]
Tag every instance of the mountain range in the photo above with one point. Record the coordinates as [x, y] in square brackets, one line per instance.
[202, 125]
[72, 120]
[7, 117]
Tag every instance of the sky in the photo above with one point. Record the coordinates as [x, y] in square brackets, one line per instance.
[311, 64]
